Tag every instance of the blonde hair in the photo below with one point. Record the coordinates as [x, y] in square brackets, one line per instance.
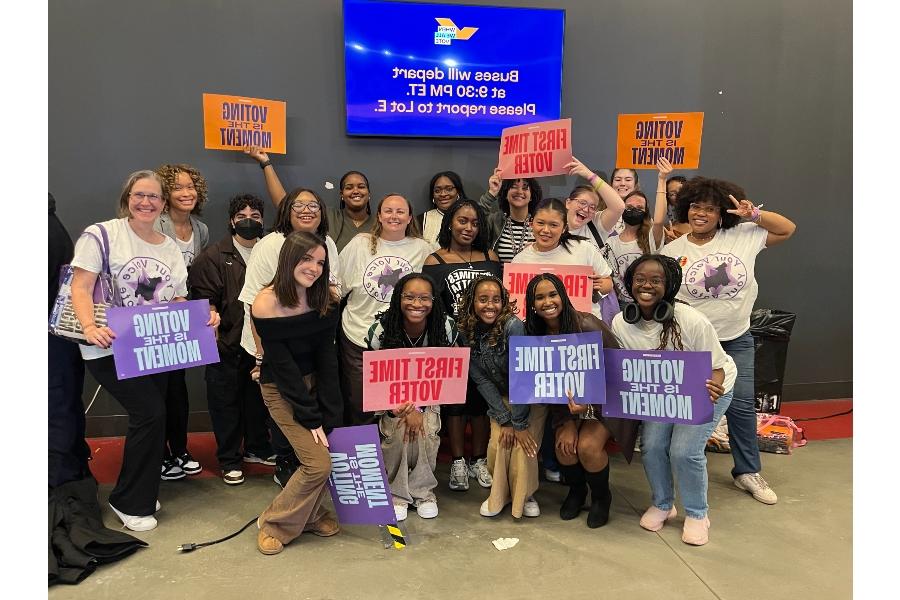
[412, 229]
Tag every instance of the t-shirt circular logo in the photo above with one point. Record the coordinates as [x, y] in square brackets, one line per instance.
[382, 274]
[625, 260]
[716, 276]
[458, 282]
[145, 280]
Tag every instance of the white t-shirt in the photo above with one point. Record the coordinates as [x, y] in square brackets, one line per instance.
[187, 249]
[585, 230]
[261, 270]
[697, 335]
[583, 253]
[431, 226]
[625, 253]
[244, 252]
[144, 273]
[719, 277]
[370, 279]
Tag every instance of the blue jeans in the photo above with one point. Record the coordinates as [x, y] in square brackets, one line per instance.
[742, 412]
[665, 446]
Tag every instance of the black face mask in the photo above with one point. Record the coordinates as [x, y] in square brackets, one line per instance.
[249, 229]
[633, 216]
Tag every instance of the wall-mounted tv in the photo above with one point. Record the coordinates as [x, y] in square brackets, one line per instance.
[450, 70]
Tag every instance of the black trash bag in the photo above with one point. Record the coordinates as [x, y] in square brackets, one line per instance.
[771, 330]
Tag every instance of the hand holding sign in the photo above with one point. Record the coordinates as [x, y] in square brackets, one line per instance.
[664, 167]
[256, 153]
[715, 390]
[101, 337]
[576, 409]
[495, 182]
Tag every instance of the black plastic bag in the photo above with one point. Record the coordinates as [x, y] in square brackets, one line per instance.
[771, 330]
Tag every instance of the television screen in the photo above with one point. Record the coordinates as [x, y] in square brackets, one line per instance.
[450, 70]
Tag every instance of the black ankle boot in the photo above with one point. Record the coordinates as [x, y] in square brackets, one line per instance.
[571, 506]
[601, 498]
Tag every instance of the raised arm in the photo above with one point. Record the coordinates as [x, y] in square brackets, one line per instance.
[273, 184]
[663, 167]
[615, 206]
[780, 228]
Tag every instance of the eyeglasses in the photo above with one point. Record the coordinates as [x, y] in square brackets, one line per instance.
[189, 187]
[585, 205]
[671, 194]
[421, 299]
[299, 207]
[703, 208]
[141, 196]
[447, 189]
[655, 281]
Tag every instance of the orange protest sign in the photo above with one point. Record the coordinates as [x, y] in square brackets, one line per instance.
[232, 122]
[643, 139]
[536, 149]
[577, 279]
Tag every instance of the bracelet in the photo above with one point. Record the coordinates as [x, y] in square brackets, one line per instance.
[263, 165]
[593, 178]
[755, 214]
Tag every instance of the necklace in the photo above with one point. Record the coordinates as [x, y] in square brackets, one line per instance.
[517, 245]
[703, 238]
[459, 256]
[412, 343]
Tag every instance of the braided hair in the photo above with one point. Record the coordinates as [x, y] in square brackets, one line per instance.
[569, 318]
[469, 323]
[670, 329]
[394, 336]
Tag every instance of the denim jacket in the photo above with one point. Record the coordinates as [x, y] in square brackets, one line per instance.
[489, 370]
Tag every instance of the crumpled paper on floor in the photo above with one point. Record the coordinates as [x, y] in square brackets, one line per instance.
[505, 543]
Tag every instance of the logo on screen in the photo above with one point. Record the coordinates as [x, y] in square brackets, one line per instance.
[447, 31]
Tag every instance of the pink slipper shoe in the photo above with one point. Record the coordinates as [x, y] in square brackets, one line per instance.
[696, 531]
[654, 518]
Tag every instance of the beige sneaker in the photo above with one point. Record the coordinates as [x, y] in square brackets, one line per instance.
[696, 531]
[756, 485]
[654, 518]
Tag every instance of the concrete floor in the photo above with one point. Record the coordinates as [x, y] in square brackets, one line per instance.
[800, 548]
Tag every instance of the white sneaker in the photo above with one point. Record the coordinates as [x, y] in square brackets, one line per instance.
[136, 523]
[484, 511]
[427, 509]
[531, 508]
[478, 470]
[756, 485]
[158, 506]
[551, 475]
[459, 475]
[400, 512]
[233, 477]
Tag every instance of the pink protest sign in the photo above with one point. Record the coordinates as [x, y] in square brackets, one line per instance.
[536, 149]
[424, 376]
[576, 278]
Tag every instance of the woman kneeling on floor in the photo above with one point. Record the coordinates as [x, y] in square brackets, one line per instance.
[409, 435]
[656, 321]
[296, 319]
[581, 430]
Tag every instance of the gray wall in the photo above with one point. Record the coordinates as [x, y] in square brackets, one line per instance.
[773, 77]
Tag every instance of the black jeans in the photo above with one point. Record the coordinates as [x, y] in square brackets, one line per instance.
[236, 409]
[143, 398]
[177, 405]
[67, 452]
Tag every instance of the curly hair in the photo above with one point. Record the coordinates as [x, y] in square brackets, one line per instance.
[393, 334]
[468, 322]
[716, 191]
[412, 230]
[569, 318]
[283, 216]
[670, 329]
[536, 194]
[170, 172]
[480, 242]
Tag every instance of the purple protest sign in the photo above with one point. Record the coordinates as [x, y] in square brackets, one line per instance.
[358, 482]
[153, 338]
[658, 385]
[543, 368]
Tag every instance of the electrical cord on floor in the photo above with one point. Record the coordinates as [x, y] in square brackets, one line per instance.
[185, 548]
[840, 414]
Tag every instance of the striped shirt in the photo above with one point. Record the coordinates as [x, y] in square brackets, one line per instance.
[513, 238]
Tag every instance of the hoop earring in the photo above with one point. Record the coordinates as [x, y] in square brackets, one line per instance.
[631, 313]
[664, 311]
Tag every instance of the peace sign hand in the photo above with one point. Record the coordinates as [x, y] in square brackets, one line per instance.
[743, 209]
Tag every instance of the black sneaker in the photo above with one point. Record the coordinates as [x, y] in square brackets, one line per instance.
[284, 468]
[188, 464]
[171, 470]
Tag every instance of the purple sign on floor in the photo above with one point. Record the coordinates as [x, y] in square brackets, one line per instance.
[358, 482]
[657, 385]
[542, 369]
[153, 338]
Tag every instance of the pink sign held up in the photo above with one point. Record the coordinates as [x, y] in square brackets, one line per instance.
[536, 149]
[423, 376]
[578, 280]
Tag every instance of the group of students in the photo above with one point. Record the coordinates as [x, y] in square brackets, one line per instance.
[296, 309]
